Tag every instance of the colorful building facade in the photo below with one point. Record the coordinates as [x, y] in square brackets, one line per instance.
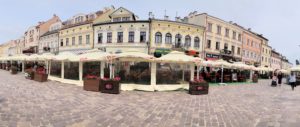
[222, 39]
[175, 35]
[119, 31]
[251, 48]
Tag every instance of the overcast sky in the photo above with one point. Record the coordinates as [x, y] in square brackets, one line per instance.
[277, 20]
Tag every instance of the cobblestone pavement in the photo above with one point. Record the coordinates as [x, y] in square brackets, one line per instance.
[26, 103]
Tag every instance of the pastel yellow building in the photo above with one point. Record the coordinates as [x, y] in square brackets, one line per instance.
[175, 35]
[266, 51]
[120, 31]
[77, 32]
[222, 38]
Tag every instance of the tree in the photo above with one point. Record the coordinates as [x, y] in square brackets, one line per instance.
[297, 62]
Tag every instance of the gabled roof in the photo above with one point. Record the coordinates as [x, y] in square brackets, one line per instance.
[134, 17]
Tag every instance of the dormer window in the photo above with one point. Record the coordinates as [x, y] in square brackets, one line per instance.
[117, 19]
[125, 18]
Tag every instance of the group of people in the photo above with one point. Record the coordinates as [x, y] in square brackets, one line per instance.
[277, 77]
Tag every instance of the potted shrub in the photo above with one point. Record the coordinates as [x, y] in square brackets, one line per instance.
[91, 83]
[255, 78]
[111, 86]
[40, 75]
[14, 70]
[198, 87]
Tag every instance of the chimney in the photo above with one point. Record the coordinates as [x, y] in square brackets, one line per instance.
[249, 29]
[54, 15]
[230, 22]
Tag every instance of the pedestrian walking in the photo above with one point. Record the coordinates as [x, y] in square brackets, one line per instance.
[292, 80]
[279, 76]
[274, 80]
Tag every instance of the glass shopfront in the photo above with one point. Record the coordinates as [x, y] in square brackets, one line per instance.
[91, 69]
[134, 72]
[169, 73]
[71, 70]
[55, 69]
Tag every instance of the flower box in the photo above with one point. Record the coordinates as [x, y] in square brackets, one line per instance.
[91, 84]
[29, 74]
[111, 86]
[40, 77]
[198, 87]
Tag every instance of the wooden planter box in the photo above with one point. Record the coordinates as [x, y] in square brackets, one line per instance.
[29, 74]
[255, 78]
[40, 77]
[110, 86]
[198, 88]
[91, 85]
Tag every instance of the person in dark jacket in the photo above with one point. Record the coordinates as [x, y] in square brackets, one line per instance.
[279, 76]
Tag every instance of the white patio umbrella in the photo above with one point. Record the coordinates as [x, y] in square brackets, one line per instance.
[32, 57]
[175, 57]
[241, 65]
[66, 56]
[93, 56]
[45, 56]
[20, 57]
[135, 56]
[223, 64]
[296, 68]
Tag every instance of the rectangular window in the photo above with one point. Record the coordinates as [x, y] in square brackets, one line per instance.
[226, 32]
[67, 42]
[226, 46]
[217, 45]
[100, 37]
[61, 42]
[87, 39]
[232, 49]
[125, 18]
[251, 43]
[131, 37]
[239, 37]
[219, 29]
[239, 51]
[80, 40]
[109, 37]
[120, 37]
[234, 35]
[209, 27]
[143, 36]
[73, 40]
[117, 19]
[208, 45]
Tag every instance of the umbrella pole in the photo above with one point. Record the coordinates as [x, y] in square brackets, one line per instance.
[183, 73]
[198, 69]
[222, 74]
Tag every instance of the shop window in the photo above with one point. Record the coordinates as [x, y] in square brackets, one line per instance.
[55, 69]
[71, 70]
[172, 74]
[133, 72]
[91, 69]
